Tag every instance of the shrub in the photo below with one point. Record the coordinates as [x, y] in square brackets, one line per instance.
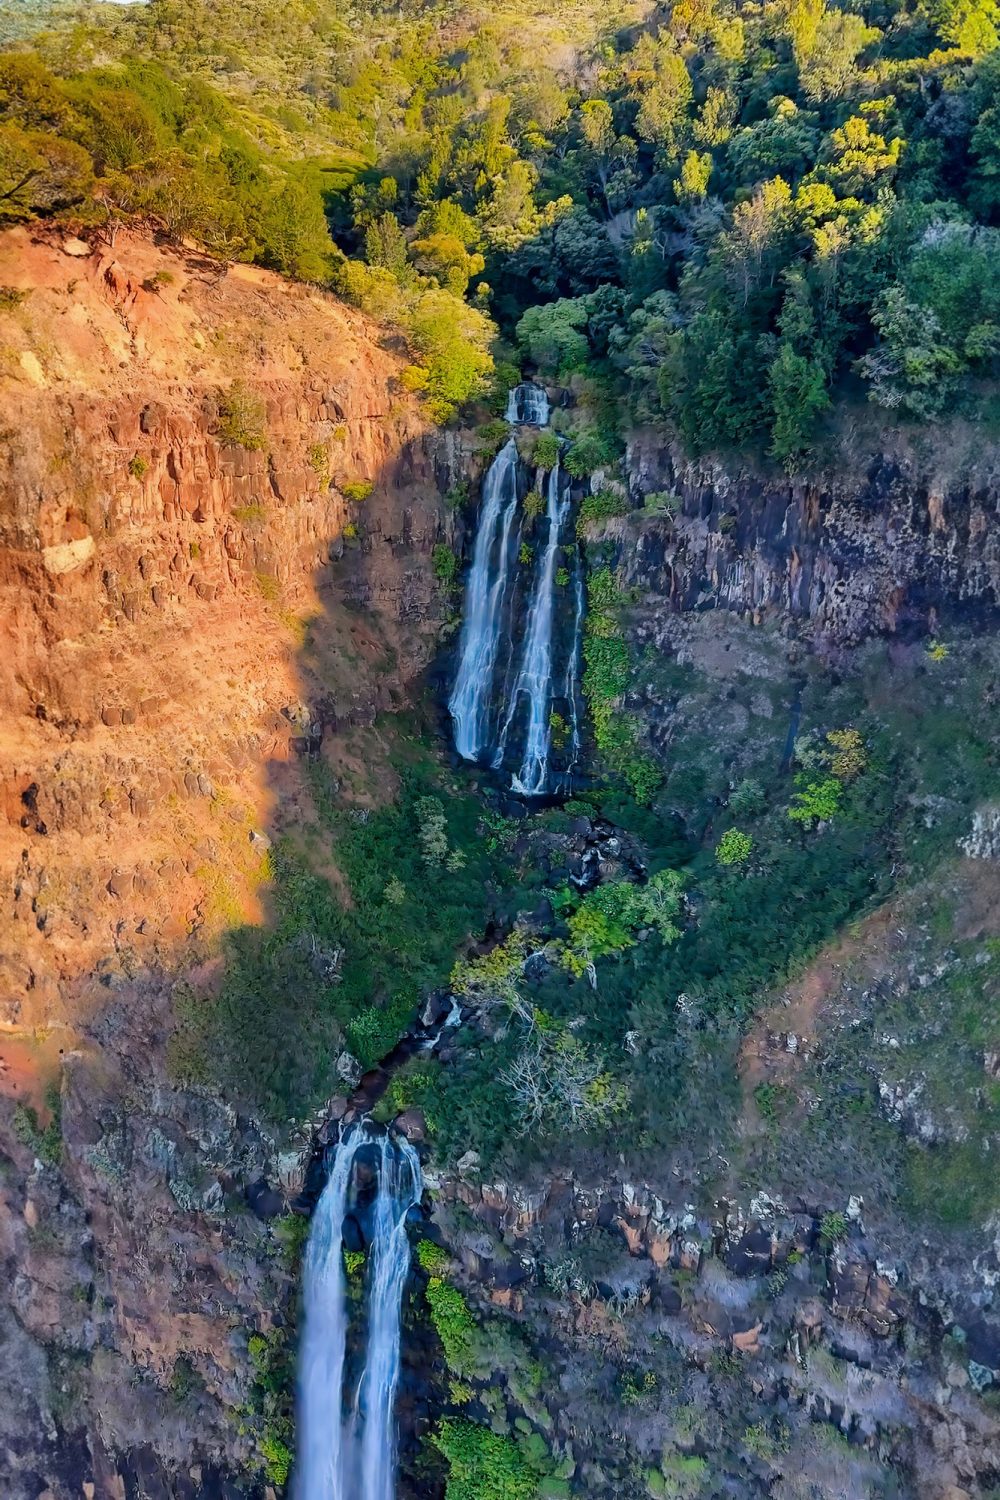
[242, 418]
[11, 297]
[547, 450]
[137, 466]
[432, 1258]
[356, 490]
[482, 1465]
[445, 565]
[432, 830]
[319, 460]
[747, 799]
[453, 1323]
[491, 437]
[588, 452]
[601, 507]
[534, 504]
[734, 847]
[849, 757]
[832, 1227]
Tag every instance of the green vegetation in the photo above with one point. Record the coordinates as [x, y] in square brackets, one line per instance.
[320, 972]
[46, 1143]
[356, 490]
[242, 418]
[483, 1465]
[606, 678]
[446, 565]
[729, 222]
[734, 847]
[601, 507]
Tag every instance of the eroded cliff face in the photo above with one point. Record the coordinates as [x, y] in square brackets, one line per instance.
[183, 617]
[883, 544]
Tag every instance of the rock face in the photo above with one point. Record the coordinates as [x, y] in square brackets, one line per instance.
[194, 599]
[882, 547]
[157, 583]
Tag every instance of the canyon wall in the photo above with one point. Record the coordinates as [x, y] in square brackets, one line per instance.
[217, 510]
[883, 541]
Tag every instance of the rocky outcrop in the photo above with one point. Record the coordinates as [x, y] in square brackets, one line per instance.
[827, 1332]
[883, 546]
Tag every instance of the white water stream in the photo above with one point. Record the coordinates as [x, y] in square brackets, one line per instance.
[511, 673]
[354, 1458]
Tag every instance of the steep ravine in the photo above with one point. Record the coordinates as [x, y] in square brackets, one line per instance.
[191, 623]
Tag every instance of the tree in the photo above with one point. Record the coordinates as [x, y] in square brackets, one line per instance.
[554, 335]
[798, 396]
[40, 173]
[557, 1079]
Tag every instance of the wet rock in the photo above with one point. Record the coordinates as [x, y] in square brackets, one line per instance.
[265, 1201]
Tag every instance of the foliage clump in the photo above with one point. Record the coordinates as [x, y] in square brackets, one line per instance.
[243, 418]
[734, 847]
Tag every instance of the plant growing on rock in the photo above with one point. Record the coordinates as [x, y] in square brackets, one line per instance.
[546, 451]
[356, 490]
[243, 418]
[482, 1465]
[534, 504]
[601, 507]
[445, 564]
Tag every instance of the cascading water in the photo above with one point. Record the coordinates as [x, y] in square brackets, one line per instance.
[484, 595]
[534, 679]
[528, 405]
[399, 1187]
[507, 697]
[354, 1459]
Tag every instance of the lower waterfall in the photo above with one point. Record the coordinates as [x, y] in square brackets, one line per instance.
[353, 1457]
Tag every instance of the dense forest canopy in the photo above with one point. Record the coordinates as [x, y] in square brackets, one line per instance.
[721, 217]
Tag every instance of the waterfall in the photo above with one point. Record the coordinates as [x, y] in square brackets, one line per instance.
[534, 679]
[469, 702]
[511, 676]
[354, 1460]
[399, 1187]
[528, 404]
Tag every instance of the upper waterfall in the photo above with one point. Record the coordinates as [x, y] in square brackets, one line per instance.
[528, 405]
[515, 700]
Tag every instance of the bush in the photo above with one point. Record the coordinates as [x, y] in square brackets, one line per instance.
[356, 490]
[815, 801]
[601, 507]
[482, 1465]
[445, 565]
[453, 1323]
[546, 451]
[242, 418]
[137, 466]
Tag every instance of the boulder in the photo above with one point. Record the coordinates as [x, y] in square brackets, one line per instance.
[412, 1125]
